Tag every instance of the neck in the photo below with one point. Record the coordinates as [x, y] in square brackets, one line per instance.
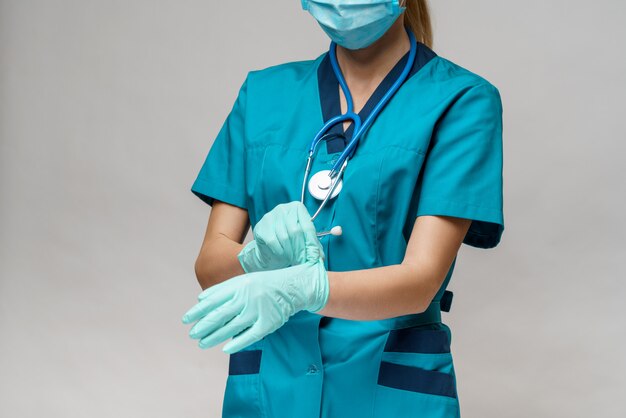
[371, 64]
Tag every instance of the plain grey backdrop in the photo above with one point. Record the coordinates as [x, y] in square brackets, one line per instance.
[107, 111]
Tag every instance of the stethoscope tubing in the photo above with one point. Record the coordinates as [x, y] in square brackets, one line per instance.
[359, 127]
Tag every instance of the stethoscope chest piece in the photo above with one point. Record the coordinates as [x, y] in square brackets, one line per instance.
[320, 184]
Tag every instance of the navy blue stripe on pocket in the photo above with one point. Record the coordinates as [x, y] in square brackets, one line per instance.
[245, 362]
[416, 380]
[418, 340]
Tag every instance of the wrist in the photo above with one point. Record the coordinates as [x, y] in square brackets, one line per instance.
[321, 290]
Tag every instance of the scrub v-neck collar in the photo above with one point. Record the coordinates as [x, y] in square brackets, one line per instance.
[328, 86]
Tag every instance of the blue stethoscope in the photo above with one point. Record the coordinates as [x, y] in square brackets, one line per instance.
[326, 184]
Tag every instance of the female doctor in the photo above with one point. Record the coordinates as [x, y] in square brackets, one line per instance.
[361, 172]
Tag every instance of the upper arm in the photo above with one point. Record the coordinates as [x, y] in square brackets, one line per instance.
[226, 230]
[227, 220]
[459, 191]
[462, 173]
[221, 183]
[221, 180]
[433, 245]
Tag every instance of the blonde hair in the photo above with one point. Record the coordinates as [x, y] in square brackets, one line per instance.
[417, 18]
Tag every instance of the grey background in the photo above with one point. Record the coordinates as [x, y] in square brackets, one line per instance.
[107, 110]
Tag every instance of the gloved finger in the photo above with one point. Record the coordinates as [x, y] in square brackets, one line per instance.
[268, 243]
[244, 339]
[216, 319]
[234, 327]
[224, 289]
[298, 234]
[298, 246]
[306, 224]
[214, 289]
[304, 217]
[209, 300]
[283, 228]
[313, 246]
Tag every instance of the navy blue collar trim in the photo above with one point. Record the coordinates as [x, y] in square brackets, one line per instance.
[328, 86]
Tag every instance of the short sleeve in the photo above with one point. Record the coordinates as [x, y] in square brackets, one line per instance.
[222, 175]
[462, 171]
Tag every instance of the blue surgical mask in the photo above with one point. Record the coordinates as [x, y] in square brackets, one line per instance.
[354, 24]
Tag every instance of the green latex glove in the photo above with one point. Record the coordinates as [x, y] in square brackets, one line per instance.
[250, 306]
[285, 236]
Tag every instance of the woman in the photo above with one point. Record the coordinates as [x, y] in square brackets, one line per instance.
[347, 325]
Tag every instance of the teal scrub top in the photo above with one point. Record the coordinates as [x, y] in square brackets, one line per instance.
[435, 149]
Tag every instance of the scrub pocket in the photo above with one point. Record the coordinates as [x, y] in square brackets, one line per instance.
[242, 397]
[416, 375]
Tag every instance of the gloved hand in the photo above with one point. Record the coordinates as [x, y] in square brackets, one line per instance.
[285, 236]
[256, 303]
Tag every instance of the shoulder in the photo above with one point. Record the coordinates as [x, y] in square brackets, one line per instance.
[453, 80]
[447, 70]
[279, 93]
[283, 75]
[456, 86]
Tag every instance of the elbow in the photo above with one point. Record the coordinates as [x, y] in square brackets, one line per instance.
[196, 269]
[430, 290]
[202, 276]
[422, 304]
[425, 283]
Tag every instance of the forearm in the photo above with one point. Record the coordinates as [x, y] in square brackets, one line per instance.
[218, 261]
[381, 292]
